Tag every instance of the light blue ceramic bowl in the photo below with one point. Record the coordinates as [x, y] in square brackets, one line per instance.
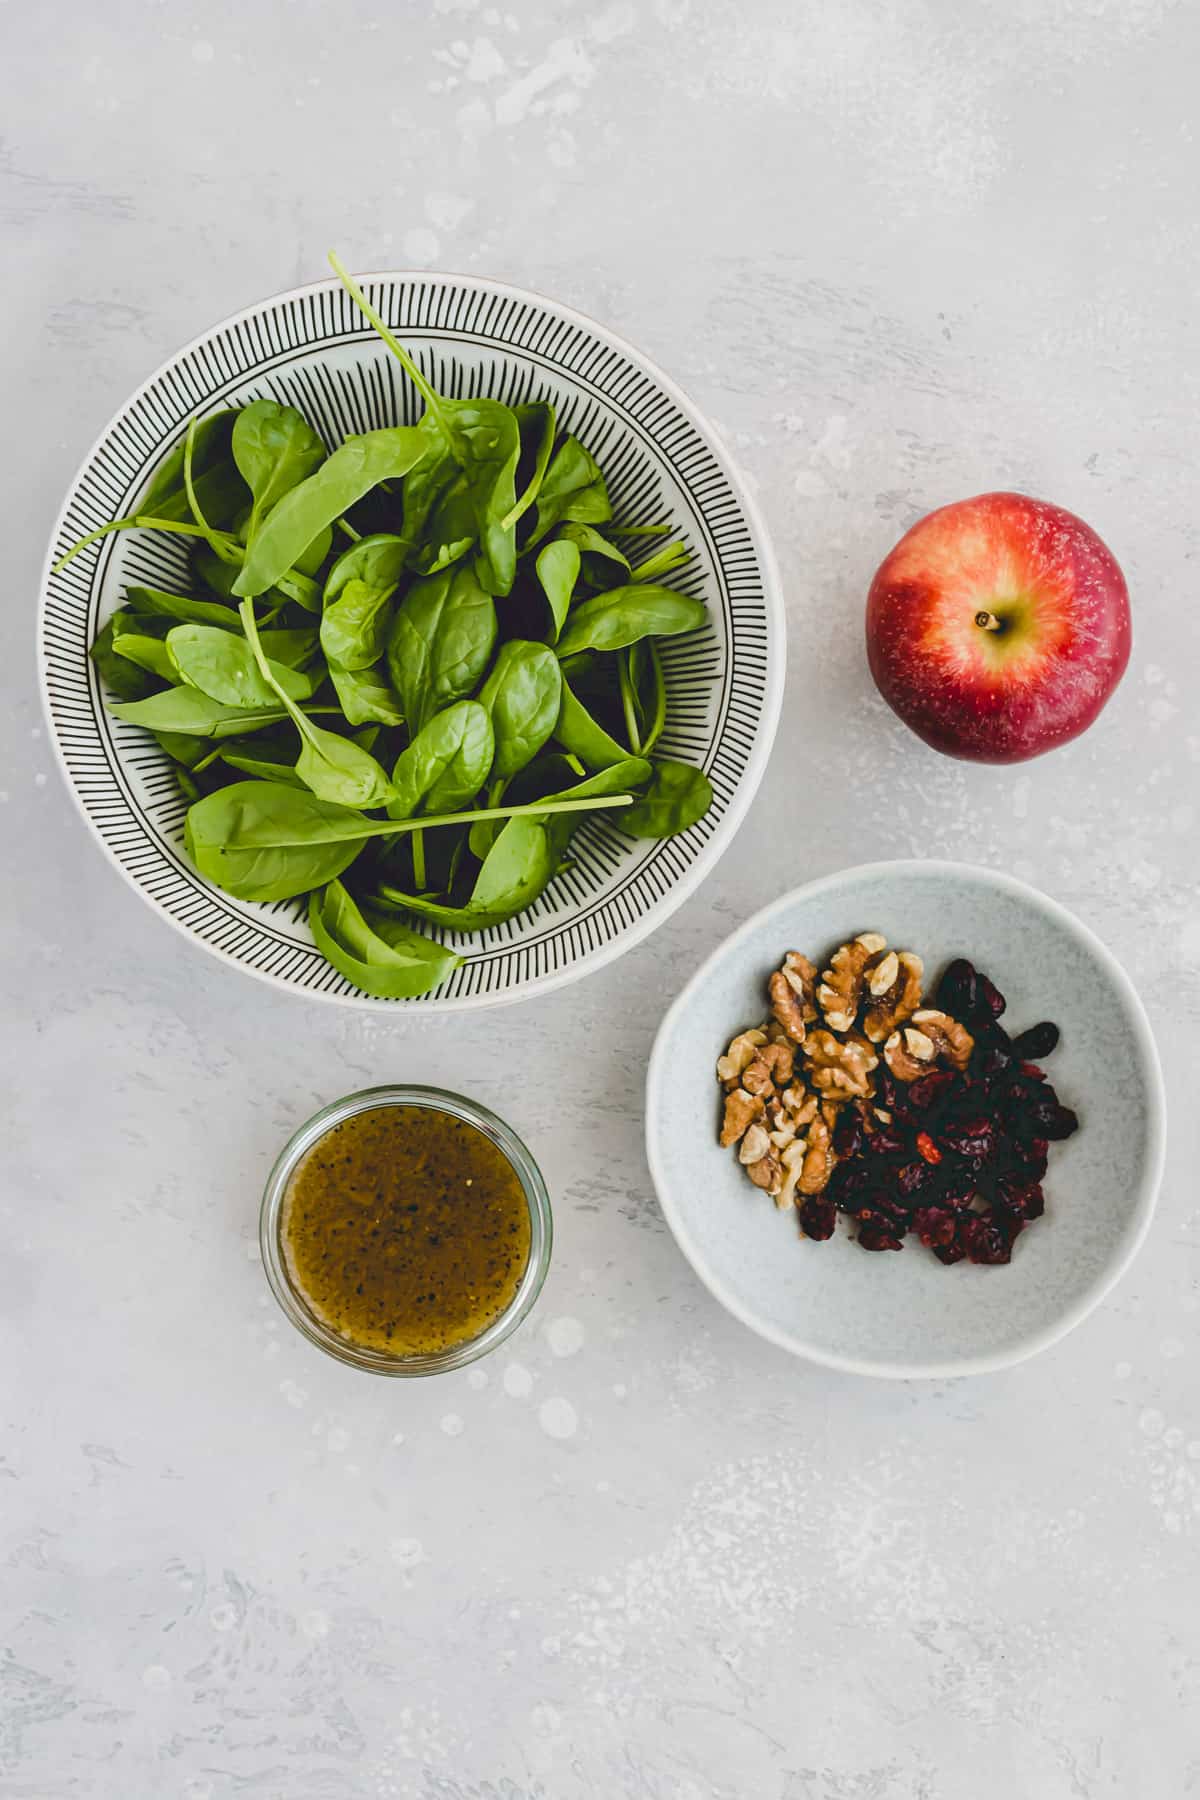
[906, 1315]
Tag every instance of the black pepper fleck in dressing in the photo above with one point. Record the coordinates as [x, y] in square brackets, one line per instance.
[405, 1230]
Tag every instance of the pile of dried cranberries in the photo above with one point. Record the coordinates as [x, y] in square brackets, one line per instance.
[961, 1160]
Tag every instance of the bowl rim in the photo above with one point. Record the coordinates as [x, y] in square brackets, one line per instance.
[1147, 1189]
[753, 770]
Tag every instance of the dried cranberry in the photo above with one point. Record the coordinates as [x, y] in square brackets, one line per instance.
[818, 1217]
[1032, 1071]
[934, 1225]
[927, 1090]
[886, 1088]
[994, 1059]
[1063, 1123]
[912, 1177]
[847, 1180]
[974, 1140]
[1038, 1041]
[927, 1148]
[984, 1239]
[1043, 1106]
[990, 999]
[952, 1252]
[957, 991]
[958, 1192]
[1024, 1198]
[847, 1133]
[878, 1236]
[884, 1143]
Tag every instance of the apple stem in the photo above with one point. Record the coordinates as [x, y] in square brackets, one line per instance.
[988, 621]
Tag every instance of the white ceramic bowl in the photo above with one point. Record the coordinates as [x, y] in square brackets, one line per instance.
[312, 349]
[905, 1314]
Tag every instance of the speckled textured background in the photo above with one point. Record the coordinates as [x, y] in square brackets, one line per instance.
[900, 254]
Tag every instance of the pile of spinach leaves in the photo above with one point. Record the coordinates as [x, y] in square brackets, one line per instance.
[405, 667]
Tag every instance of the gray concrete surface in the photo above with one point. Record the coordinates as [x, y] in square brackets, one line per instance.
[899, 254]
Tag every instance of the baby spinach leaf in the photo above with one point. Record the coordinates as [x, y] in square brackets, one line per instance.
[365, 696]
[265, 768]
[129, 681]
[441, 643]
[378, 560]
[573, 488]
[181, 749]
[427, 490]
[517, 868]
[649, 691]
[224, 667]
[486, 442]
[138, 641]
[182, 608]
[264, 840]
[355, 625]
[577, 731]
[677, 796]
[603, 563]
[358, 465]
[625, 614]
[522, 695]
[275, 448]
[336, 769]
[187, 710]
[166, 496]
[483, 438]
[446, 764]
[558, 571]
[392, 967]
[536, 422]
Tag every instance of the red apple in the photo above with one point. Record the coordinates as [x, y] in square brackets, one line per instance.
[998, 627]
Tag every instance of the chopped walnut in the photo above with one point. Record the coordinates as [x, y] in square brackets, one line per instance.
[787, 1006]
[818, 1159]
[741, 1109]
[793, 1162]
[756, 1078]
[838, 1070]
[895, 1000]
[909, 1053]
[740, 1054]
[780, 1124]
[841, 985]
[800, 1103]
[755, 1144]
[801, 977]
[780, 1058]
[767, 1173]
[951, 1041]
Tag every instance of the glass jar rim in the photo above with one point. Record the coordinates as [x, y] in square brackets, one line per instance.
[537, 1199]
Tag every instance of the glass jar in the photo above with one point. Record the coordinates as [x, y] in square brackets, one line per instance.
[290, 1298]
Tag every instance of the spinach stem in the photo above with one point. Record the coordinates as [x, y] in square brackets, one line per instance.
[347, 527]
[671, 556]
[658, 716]
[628, 702]
[428, 393]
[418, 856]
[226, 555]
[145, 523]
[532, 809]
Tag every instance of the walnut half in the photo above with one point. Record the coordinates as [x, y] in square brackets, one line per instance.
[840, 991]
[839, 1068]
[894, 999]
